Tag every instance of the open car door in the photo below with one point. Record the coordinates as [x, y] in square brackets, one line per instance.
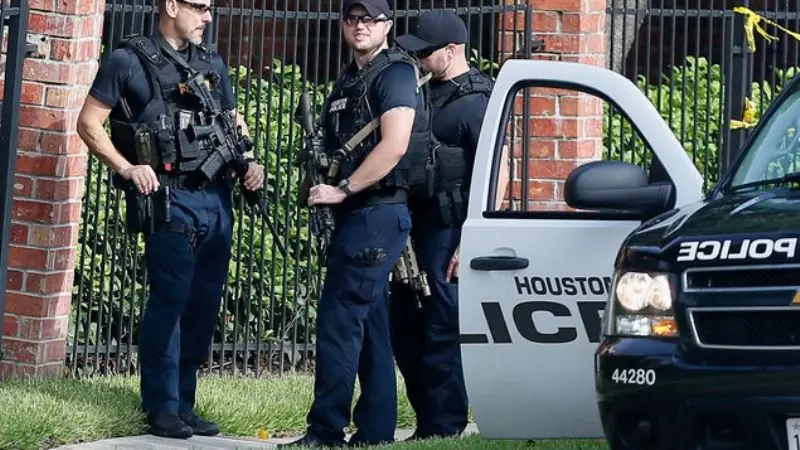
[534, 274]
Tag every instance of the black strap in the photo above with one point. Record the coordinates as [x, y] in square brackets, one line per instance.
[170, 51]
[178, 228]
[475, 83]
[151, 59]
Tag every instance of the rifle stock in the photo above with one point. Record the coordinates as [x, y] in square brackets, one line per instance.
[406, 271]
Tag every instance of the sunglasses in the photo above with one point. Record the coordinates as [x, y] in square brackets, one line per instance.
[197, 6]
[352, 19]
[430, 50]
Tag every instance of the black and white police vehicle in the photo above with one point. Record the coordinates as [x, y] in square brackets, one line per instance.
[654, 315]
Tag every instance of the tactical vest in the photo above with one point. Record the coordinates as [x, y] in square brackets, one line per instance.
[449, 168]
[158, 135]
[347, 110]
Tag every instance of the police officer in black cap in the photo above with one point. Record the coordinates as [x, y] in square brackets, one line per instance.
[426, 339]
[185, 212]
[372, 224]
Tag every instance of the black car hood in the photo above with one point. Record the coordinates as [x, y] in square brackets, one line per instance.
[735, 222]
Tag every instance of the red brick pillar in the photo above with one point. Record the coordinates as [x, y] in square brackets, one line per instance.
[51, 164]
[565, 127]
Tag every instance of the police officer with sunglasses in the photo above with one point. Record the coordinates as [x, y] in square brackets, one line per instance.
[425, 333]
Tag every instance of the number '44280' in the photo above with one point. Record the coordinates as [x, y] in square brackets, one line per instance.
[634, 376]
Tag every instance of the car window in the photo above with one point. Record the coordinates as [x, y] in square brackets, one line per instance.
[547, 132]
[775, 151]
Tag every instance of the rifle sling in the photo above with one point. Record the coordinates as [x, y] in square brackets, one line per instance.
[174, 55]
[374, 124]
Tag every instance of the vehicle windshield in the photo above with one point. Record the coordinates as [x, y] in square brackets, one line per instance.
[775, 152]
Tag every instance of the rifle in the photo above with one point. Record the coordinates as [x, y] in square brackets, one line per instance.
[314, 159]
[228, 151]
[225, 137]
[406, 270]
[323, 169]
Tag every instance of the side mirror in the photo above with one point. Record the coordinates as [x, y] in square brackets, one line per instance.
[616, 186]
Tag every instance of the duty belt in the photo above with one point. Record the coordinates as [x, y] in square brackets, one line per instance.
[372, 198]
[185, 181]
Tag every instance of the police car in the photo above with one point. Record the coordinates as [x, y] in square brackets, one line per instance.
[677, 321]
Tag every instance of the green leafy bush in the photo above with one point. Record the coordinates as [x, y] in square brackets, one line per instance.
[690, 100]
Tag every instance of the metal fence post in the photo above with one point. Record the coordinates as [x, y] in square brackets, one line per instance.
[17, 15]
[738, 79]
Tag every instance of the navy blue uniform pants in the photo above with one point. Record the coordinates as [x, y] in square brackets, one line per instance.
[353, 336]
[426, 339]
[186, 283]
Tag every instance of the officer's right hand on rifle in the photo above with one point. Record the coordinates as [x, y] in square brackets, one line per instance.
[254, 178]
[142, 176]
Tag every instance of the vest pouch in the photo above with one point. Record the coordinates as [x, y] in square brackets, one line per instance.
[430, 175]
[451, 167]
[123, 136]
[418, 156]
[165, 140]
[189, 151]
[450, 207]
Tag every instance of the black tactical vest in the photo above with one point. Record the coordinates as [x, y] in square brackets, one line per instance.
[450, 165]
[449, 168]
[347, 110]
[157, 135]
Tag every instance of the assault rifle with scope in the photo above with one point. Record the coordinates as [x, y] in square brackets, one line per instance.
[230, 145]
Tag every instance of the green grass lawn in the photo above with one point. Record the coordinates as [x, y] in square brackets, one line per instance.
[46, 414]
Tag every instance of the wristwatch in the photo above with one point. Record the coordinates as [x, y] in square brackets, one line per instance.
[344, 185]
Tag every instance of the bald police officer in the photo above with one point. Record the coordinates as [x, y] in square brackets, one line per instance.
[426, 340]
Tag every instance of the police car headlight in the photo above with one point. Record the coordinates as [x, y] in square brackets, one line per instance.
[636, 291]
[643, 305]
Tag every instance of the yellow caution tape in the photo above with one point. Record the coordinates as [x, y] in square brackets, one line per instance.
[753, 23]
[748, 116]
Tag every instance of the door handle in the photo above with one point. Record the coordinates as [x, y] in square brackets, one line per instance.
[498, 263]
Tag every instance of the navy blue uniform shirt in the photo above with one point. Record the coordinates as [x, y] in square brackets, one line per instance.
[394, 87]
[122, 73]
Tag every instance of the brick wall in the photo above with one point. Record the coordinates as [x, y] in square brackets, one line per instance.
[565, 127]
[51, 163]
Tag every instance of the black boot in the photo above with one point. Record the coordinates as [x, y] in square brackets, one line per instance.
[166, 424]
[199, 426]
[310, 440]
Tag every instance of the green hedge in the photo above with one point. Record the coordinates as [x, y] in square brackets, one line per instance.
[690, 99]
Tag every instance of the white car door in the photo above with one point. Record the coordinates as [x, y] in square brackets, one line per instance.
[533, 282]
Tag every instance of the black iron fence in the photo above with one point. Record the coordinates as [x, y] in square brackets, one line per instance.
[14, 15]
[276, 49]
[693, 60]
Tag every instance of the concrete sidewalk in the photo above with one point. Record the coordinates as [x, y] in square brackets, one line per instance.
[148, 442]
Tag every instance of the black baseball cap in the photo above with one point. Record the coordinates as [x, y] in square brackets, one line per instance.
[435, 29]
[374, 7]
